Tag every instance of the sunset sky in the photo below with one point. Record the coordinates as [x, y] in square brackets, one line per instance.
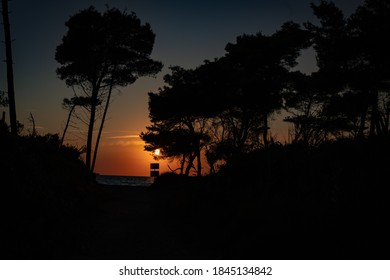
[187, 33]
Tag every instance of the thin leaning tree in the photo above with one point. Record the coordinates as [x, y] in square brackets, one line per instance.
[102, 51]
[10, 71]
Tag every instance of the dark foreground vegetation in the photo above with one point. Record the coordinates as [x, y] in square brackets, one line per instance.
[325, 195]
[286, 202]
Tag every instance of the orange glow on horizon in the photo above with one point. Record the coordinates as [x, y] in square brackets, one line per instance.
[117, 157]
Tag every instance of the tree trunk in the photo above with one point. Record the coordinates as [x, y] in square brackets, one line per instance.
[10, 73]
[190, 164]
[67, 124]
[363, 118]
[34, 130]
[211, 164]
[101, 127]
[199, 163]
[196, 141]
[91, 127]
[374, 124]
[387, 118]
[183, 161]
[265, 131]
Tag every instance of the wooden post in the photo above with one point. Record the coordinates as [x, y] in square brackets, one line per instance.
[154, 169]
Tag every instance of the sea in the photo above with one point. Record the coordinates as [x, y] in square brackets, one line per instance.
[132, 181]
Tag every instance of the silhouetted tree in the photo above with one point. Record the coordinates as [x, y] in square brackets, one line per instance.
[370, 26]
[331, 41]
[304, 103]
[352, 56]
[70, 105]
[33, 132]
[175, 144]
[10, 73]
[178, 124]
[247, 86]
[222, 107]
[101, 52]
[102, 125]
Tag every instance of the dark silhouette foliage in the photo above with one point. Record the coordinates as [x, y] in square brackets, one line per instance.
[44, 190]
[223, 106]
[101, 52]
[179, 128]
[351, 54]
[70, 105]
[323, 195]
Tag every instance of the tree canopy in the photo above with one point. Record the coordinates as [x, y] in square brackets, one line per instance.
[222, 108]
[101, 51]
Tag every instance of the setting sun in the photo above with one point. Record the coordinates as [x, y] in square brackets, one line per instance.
[157, 152]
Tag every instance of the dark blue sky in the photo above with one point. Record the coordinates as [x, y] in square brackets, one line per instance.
[187, 32]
